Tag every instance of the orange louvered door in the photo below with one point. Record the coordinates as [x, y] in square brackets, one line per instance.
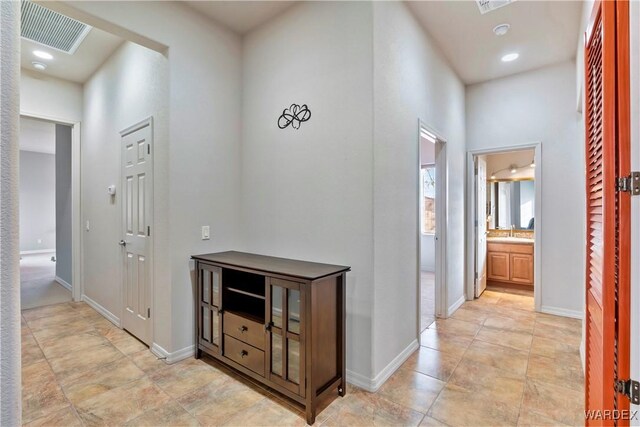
[608, 238]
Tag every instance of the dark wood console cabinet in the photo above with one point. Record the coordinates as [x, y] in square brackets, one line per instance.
[276, 320]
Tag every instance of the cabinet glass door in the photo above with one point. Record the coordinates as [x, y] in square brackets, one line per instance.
[286, 358]
[209, 321]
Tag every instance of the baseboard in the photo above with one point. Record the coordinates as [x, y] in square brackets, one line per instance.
[38, 251]
[100, 309]
[456, 305]
[64, 283]
[557, 311]
[360, 381]
[174, 357]
[373, 384]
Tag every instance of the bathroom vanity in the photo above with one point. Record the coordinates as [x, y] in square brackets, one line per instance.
[510, 260]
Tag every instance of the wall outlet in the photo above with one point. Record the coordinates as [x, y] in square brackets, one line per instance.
[205, 232]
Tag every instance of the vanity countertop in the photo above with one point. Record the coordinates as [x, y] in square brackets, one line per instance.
[516, 240]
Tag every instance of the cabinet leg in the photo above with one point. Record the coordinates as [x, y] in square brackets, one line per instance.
[342, 388]
[311, 417]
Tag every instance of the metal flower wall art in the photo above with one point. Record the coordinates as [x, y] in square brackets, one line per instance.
[294, 116]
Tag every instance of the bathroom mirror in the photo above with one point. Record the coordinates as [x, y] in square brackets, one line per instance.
[511, 203]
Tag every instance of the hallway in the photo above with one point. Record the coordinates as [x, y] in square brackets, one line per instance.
[495, 362]
[38, 286]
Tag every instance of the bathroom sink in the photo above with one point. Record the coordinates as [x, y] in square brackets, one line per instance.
[509, 240]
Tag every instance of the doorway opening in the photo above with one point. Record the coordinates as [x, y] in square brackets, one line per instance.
[431, 227]
[110, 83]
[505, 215]
[46, 212]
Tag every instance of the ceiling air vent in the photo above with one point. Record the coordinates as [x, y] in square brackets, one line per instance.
[487, 6]
[52, 29]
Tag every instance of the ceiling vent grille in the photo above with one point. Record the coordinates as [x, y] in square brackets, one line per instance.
[51, 29]
[487, 6]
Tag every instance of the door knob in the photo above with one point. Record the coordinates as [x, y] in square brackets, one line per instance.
[122, 243]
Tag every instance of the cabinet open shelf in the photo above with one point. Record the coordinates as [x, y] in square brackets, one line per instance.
[247, 315]
[249, 294]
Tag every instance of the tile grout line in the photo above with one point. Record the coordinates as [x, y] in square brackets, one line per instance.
[55, 377]
[453, 372]
[526, 374]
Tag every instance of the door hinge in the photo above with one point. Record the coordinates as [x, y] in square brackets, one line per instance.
[148, 148]
[148, 313]
[148, 230]
[629, 388]
[629, 184]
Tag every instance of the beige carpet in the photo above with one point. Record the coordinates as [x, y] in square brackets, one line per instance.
[37, 282]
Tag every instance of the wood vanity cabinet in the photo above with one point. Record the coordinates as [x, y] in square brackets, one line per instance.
[276, 320]
[510, 263]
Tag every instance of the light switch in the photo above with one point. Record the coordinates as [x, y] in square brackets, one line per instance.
[87, 226]
[205, 232]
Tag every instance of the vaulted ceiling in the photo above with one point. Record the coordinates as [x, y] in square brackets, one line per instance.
[542, 33]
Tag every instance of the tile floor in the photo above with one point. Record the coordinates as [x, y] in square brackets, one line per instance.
[495, 362]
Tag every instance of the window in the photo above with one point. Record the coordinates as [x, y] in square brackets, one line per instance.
[428, 175]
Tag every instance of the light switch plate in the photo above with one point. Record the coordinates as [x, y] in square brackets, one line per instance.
[205, 232]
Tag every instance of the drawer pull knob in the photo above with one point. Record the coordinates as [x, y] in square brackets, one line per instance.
[243, 329]
[243, 353]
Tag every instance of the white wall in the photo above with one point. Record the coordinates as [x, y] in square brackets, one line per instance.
[412, 81]
[128, 88]
[50, 97]
[64, 225]
[202, 186]
[37, 201]
[307, 193]
[540, 106]
[427, 252]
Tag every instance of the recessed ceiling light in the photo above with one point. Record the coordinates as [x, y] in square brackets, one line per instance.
[42, 54]
[39, 65]
[501, 30]
[510, 57]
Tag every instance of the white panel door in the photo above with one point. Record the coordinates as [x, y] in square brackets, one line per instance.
[481, 217]
[136, 231]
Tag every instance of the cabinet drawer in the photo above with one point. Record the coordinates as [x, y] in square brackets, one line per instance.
[244, 354]
[510, 248]
[244, 329]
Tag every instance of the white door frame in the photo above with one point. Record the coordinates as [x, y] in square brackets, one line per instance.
[77, 288]
[139, 125]
[537, 231]
[441, 226]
